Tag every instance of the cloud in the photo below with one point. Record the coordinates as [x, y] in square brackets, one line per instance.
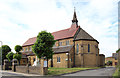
[23, 19]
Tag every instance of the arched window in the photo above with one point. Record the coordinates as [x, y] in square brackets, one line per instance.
[77, 48]
[88, 47]
[58, 59]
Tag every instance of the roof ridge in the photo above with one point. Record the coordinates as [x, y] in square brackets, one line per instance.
[60, 30]
[76, 30]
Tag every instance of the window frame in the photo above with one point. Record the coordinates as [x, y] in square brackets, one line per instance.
[30, 48]
[26, 49]
[77, 48]
[88, 48]
[58, 60]
[67, 42]
[23, 49]
[60, 43]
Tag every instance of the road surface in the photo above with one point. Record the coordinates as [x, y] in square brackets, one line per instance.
[108, 71]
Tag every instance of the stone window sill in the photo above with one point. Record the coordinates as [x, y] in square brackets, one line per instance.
[58, 62]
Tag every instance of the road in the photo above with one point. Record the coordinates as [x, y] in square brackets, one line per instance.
[108, 71]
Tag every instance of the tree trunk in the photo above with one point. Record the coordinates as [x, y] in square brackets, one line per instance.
[19, 62]
[51, 62]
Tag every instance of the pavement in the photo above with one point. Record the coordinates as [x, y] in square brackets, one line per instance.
[108, 71]
[11, 73]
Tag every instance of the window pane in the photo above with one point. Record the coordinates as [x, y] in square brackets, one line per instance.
[77, 48]
[88, 47]
[30, 48]
[67, 42]
[60, 43]
[25, 49]
[59, 59]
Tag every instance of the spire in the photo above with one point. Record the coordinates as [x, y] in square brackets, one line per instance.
[74, 17]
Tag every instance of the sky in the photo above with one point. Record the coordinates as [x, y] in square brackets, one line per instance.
[24, 19]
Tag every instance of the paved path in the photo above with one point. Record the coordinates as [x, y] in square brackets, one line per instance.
[11, 73]
[108, 71]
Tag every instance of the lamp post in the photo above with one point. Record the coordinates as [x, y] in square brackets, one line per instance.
[1, 55]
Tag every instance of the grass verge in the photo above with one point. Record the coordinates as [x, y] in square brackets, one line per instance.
[117, 73]
[59, 71]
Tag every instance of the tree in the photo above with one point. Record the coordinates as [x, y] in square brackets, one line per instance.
[18, 48]
[43, 45]
[5, 50]
[118, 50]
[109, 63]
[10, 56]
[18, 57]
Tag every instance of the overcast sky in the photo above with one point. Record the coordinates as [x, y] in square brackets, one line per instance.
[23, 19]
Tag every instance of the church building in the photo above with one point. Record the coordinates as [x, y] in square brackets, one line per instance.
[74, 47]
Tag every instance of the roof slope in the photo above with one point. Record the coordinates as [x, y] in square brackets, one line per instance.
[28, 53]
[62, 49]
[83, 35]
[66, 33]
[30, 41]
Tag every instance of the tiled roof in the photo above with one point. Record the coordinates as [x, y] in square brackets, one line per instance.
[66, 33]
[30, 41]
[29, 53]
[62, 49]
[24, 56]
[83, 35]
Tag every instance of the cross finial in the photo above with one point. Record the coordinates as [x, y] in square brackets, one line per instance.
[74, 9]
[74, 17]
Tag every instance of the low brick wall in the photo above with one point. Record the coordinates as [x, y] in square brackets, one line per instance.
[22, 69]
[34, 70]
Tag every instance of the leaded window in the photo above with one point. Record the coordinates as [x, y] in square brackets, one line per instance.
[58, 59]
[77, 48]
[88, 47]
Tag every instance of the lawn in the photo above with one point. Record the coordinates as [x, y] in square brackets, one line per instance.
[58, 71]
[116, 74]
